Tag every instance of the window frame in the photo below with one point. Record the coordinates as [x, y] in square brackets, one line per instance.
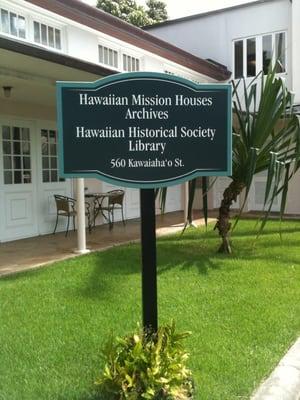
[108, 45]
[20, 14]
[49, 24]
[259, 53]
[131, 56]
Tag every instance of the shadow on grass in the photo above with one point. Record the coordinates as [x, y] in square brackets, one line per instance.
[194, 249]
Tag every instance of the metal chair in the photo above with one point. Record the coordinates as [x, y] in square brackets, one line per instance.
[66, 207]
[108, 203]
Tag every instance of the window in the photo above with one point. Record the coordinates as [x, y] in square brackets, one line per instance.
[251, 57]
[47, 35]
[12, 23]
[280, 52]
[266, 52]
[254, 54]
[49, 156]
[239, 58]
[16, 155]
[130, 64]
[108, 56]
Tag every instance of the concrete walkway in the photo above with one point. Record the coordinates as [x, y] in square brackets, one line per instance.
[284, 381]
[35, 252]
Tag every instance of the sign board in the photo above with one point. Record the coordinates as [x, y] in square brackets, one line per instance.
[144, 130]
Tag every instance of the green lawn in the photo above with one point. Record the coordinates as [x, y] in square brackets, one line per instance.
[243, 310]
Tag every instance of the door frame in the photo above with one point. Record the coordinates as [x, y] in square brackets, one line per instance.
[12, 120]
[46, 208]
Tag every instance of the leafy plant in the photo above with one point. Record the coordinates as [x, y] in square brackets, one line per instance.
[146, 365]
[266, 137]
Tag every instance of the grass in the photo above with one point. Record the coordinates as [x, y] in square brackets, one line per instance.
[243, 310]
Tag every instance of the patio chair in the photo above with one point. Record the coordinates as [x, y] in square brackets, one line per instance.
[109, 203]
[66, 207]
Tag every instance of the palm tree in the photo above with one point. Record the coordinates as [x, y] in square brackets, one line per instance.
[265, 138]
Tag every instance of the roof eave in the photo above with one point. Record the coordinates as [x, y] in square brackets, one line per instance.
[115, 27]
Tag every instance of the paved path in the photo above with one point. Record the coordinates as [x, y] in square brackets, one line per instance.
[284, 381]
[34, 252]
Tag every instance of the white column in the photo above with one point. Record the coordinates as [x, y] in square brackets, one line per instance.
[80, 208]
[295, 43]
[186, 200]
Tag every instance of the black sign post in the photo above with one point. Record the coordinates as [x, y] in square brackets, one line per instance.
[144, 130]
[149, 279]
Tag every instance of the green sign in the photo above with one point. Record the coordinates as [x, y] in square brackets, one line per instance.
[144, 130]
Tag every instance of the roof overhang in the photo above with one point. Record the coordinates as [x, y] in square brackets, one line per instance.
[33, 71]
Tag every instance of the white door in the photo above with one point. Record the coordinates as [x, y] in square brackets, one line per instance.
[257, 194]
[49, 182]
[18, 180]
[218, 189]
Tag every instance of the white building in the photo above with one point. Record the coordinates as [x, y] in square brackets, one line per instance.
[245, 38]
[44, 41]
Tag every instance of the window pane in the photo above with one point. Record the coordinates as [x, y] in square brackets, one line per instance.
[4, 21]
[53, 162]
[54, 176]
[57, 39]
[8, 177]
[124, 62]
[116, 59]
[17, 177]
[251, 57]
[17, 162]
[26, 148]
[53, 149]
[17, 148]
[44, 34]
[27, 177]
[46, 176]
[13, 24]
[129, 63]
[267, 52]
[7, 162]
[16, 133]
[280, 52]
[110, 56]
[137, 64]
[37, 32]
[52, 136]
[26, 163]
[101, 58]
[6, 147]
[25, 134]
[45, 163]
[105, 55]
[6, 132]
[21, 26]
[51, 36]
[238, 59]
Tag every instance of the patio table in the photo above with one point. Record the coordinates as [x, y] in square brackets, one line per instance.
[100, 199]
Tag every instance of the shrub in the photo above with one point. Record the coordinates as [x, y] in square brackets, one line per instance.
[146, 365]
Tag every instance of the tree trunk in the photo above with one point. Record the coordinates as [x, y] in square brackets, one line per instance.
[223, 223]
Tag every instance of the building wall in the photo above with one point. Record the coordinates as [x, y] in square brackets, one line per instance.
[222, 28]
[28, 208]
[211, 36]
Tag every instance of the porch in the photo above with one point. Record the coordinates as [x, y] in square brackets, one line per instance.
[21, 255]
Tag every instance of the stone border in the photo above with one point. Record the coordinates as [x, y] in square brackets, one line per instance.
[284, 381]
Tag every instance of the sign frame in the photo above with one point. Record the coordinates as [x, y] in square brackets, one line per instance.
[107, 81]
